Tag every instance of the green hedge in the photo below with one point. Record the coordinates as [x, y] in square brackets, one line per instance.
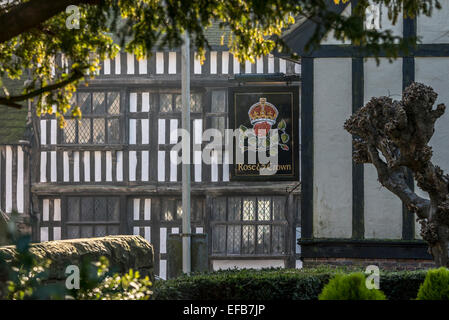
[276, 284]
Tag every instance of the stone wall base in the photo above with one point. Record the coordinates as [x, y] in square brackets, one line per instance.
[383, 264]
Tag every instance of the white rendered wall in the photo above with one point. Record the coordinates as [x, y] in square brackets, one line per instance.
[247, 264]
[332, 185]
[383, 209]
[329, 38]
[434, 29]
[433, 72]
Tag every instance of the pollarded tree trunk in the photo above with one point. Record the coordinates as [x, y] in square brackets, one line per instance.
[394, 137]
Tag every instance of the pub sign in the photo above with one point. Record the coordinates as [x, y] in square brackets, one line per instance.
[267, 125]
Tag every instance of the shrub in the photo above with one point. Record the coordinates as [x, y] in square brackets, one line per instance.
[435, 286]
[267, 284]
[276, 284]
[401, 285]
[350, 287]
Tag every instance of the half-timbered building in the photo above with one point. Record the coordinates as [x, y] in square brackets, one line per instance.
[110, 172]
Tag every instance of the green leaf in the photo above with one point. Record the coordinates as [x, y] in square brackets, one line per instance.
[282, 125]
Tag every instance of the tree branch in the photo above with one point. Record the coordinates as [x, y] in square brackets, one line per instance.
[12, 101]
[394, 179]
[30, 14]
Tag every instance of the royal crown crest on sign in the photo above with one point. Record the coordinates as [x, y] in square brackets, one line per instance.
[263, 116]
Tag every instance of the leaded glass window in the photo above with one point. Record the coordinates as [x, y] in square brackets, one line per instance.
[92, 217]
[248, 225]
[100, 122]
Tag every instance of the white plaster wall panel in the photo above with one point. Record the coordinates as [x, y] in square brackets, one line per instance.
[424, 195]
[145, 165]
[132, 131]
[8, 179]
[86, 166]
[119, 165]
[172, 62]
[387, 24]
[329, 38]
[136, 209]
[214, 166]
[53, 165]
[45, 210]
[282, 66]
[226, 166]
[248, 66]
[259, 65]
[161, 166]
[434, 72]
[213, 62]
[56, 233]
[20, 180]
[384, 79]
[43, 132]
[225, 62]
[332, 187]
[173, 166]
[145, 128]
[107, 66]
[57, 210]
[434, 29]
[145, 101]
[53, 131]
[159, 62]
[298, 236]
[174, 131]
[147, 233]
[132, 165]
[133, 102]
[66, 165]
[161, 131]
[44, 234]
[130, 63]
[196, 64]
[108, 166]
[97, 166]
[163, 240]
[76, 166]
[43, 171]
[247, 264]
[117, 64]
[270, 63]
[197, 165]
[383, 209]
[163, 269]
[147, 209]
[197, 131]
[143, 66]
[236, 66]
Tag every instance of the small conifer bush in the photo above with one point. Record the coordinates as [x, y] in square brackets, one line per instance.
[350, 287]
[435, 285]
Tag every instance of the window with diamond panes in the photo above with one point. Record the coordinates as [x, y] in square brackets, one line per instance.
[248, 225]
[92, 217]
[100, 122]
[217, 114]
[171, 209]
[172, 102]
